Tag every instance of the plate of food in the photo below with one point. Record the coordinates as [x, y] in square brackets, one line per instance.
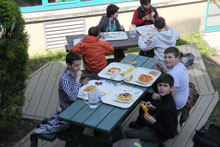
[89, 88]
[113, 70]
[153, 72]
[144, 78]
[85, 89]
[124, 97]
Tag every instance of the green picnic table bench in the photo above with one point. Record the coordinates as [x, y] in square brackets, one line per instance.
[106, 119]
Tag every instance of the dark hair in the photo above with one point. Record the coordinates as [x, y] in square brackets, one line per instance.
[166, 78]
[159, 23]
[94, 31]
[111, 10]
[72, 56]
[145, 2]
[173, 50]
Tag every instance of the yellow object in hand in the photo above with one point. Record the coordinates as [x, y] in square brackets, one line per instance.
[145, 109]
[129, 70]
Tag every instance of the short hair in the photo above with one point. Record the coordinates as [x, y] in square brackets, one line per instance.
[72, 56]
[166, 78]
[94, 31]
[173, 50]
[159, 23]
[145, 2]
[111, 10]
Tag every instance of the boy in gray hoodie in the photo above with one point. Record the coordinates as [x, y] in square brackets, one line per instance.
[164, 38]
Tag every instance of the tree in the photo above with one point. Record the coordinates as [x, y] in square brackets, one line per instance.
[13, 65]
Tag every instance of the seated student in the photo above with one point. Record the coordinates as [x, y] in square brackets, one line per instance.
[69, 82]
[93, 50]
[163, 126]
[110, 23]
[145, 14]
[180, 74]
[164, 38]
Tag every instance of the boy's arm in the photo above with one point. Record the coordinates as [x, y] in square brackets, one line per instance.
[76, 48]
[109, 48]
[161, 67]
[70, 88]
[146, 45]
[135, 19]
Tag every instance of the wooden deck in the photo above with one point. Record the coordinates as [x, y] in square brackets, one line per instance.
[42, 100]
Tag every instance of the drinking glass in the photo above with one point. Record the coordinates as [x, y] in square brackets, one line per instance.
[132, 31]
[93, 99]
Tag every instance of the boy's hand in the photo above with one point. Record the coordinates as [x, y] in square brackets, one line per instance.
[149, 105]
[150, 119]
[85, 81]
[160, 67]
[156, 96]
[122, 28]
[147, 17]
[78, 76]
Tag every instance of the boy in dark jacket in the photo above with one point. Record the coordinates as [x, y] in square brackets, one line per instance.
[145, 14]
[163, 126]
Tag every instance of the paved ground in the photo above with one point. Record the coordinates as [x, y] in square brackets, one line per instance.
[213, 39]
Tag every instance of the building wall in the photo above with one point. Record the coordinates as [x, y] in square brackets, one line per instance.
[185, 18]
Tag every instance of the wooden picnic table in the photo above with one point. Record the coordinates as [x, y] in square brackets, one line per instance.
[117, 44]
[106, 119]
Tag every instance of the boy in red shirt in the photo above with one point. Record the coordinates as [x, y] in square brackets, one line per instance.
[145, 14]
[93, 50]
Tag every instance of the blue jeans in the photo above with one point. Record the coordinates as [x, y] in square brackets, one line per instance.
[146, 134]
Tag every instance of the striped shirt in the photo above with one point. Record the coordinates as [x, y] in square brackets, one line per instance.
[68, 89]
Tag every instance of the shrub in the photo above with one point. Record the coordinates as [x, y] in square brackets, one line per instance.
[13, 65]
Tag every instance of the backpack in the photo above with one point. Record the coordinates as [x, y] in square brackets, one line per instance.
[192, 98]
[207, 136]
[187, 58]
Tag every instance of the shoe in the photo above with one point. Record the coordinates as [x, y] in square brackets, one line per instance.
[134, 125]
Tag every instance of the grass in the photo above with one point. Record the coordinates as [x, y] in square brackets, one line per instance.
[193, 38]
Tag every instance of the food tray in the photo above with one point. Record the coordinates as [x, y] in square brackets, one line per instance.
[77, 40]
[137, 72]
[110, 98]
[105, 88]
[119, 75]
[119, 35]
[147, 30]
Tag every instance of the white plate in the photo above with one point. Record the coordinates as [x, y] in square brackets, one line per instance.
[137, 79]
[114, 72]
[116, 98]
[116, 77]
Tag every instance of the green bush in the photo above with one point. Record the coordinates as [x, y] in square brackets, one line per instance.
[13, 65]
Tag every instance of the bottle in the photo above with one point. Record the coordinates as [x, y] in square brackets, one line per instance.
[99, 96]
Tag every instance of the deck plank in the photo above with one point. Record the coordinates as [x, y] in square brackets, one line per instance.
[29, 91]
[50, 85]
[192, 122]
[54, 100]
[39, 91]
[205, 117]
